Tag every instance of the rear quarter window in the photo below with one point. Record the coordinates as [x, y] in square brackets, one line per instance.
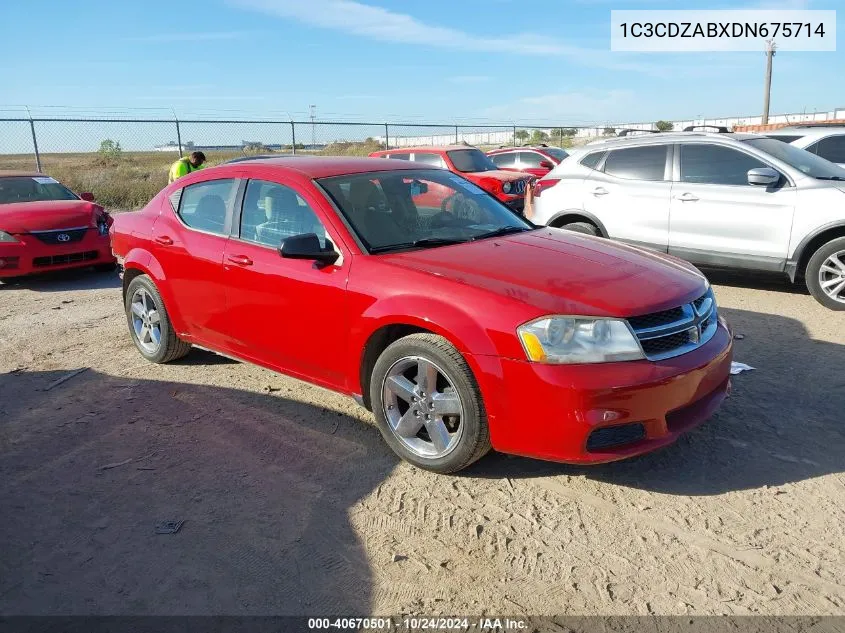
[592, 160]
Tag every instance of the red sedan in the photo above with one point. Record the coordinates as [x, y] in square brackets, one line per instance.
[44, 226]
[470, 163]
[460, 329]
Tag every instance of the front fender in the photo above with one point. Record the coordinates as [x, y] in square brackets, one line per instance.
[476, 344]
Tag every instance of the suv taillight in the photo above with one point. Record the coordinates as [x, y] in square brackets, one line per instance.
[544, 183]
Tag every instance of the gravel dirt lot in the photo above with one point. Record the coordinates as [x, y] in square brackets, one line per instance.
[293, 504]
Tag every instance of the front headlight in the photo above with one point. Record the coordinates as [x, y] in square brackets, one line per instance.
[507, 187]
[563, 340]
[5, 237]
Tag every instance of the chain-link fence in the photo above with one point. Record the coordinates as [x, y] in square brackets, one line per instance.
[124, 162]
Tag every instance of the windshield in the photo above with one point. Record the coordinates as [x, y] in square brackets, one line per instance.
[32, 189]
[470, 160]
[802, 160]
[424, 208]
[558, 153]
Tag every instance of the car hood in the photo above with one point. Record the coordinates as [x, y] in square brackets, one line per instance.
[560, 272]
[498, 174]
[23, 217]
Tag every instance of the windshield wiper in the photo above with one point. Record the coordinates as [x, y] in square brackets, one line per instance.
[505, 230]
[426, 241]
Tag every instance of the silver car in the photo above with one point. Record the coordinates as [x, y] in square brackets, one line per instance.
[827, 141]
[734, 201]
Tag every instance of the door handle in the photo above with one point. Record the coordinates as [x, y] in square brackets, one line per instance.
[600, 191]
[240, 260]
[686, 197]
[164, 240]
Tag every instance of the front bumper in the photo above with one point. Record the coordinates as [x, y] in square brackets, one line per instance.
[553, 411]
[29, 255]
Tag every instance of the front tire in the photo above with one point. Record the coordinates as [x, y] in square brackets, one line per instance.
[582, 227]
[825, 274]
[427, 404]
[149, 323]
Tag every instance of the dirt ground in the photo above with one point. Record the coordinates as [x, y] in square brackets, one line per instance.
[292, 504]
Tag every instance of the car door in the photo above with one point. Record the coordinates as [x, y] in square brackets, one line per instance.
[190, 237]
[717, 218]
[285, 313]
[535, 163]
[629, 193]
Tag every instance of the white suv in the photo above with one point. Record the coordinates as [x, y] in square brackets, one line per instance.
[827, 141]
[737, 201]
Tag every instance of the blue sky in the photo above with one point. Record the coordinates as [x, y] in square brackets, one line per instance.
[544, 61]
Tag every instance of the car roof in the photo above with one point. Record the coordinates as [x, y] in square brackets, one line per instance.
[668, 137]
[425, 148]
[325, 166]
[8, 173]
[807, 130]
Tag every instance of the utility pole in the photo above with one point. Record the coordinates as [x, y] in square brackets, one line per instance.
[770, 53]
[313, 114]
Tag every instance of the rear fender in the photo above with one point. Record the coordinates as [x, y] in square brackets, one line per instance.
[144, 261]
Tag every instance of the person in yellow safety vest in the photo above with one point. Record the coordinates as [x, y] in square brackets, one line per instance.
[186, 165]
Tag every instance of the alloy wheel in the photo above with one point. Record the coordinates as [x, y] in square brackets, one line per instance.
[832, 276]
[146, 321]
[422, 407]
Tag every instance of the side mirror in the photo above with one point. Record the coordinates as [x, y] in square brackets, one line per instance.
[764, 176]
[87, 196]
[546, 164]
[307, 246]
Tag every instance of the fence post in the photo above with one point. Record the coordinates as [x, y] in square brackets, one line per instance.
[292, 137]
[386, 137]
[35, 145]
[513, 140]
[179, 138]
[456, 135]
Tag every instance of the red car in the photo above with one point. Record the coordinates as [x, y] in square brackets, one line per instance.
[44, 226]
[472, 164]
[536, 160]
[460, 329]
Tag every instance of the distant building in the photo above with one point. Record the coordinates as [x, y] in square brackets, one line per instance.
[190, 146]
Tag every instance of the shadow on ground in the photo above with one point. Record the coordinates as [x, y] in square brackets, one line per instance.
[775, 282]
[783, 423]
[264, 485]
[65, 281]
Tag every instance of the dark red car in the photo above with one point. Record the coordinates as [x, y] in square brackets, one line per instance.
[44, 226]
[537, 160]
[472, 164]
[461, 329]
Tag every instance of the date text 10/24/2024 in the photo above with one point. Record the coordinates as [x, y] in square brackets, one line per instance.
[420, 623]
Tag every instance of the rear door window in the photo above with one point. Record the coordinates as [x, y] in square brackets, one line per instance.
[204, 206]
[429, 158]
[507, 159]
[831, 148]
[637, 163]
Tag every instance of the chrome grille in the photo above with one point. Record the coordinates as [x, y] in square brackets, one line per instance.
[61, 236]
[676, 331]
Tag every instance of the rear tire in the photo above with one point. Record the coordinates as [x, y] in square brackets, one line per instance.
[587, 228]
[149, 324]
[825, 274]
[427, 404]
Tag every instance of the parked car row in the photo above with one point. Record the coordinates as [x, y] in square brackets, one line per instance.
[735, 201]
[416, 286]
